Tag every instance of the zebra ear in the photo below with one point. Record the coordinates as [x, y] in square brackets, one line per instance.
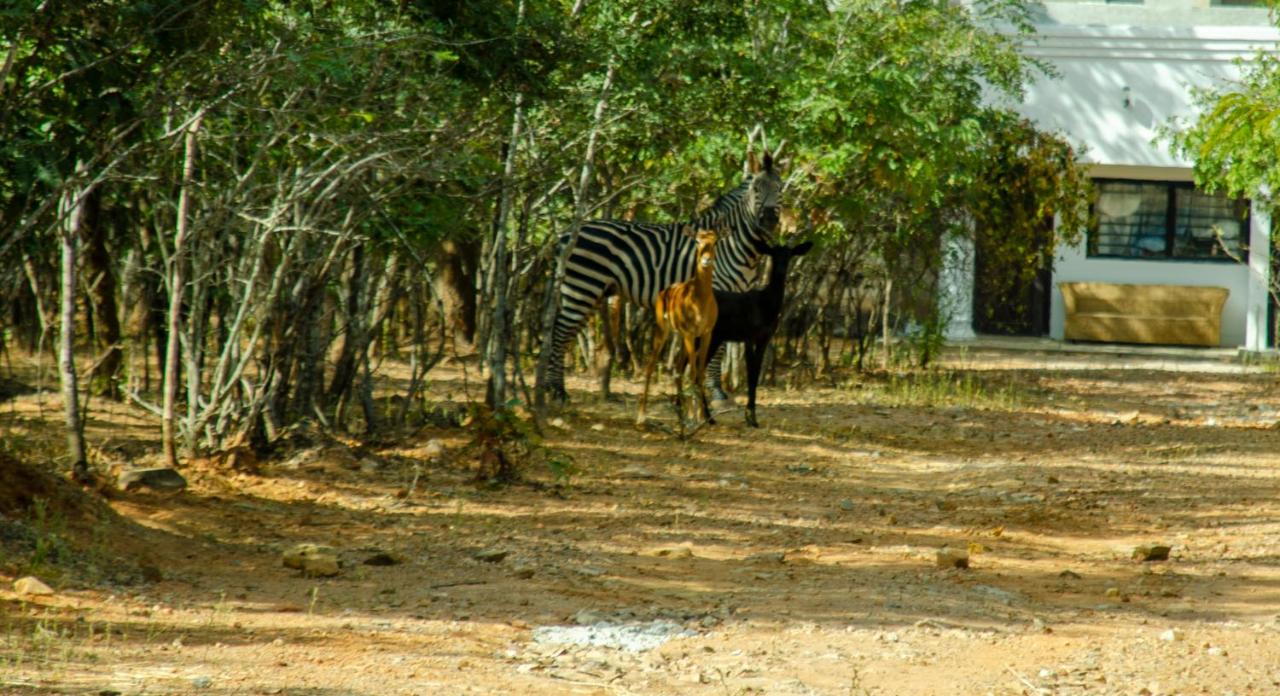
[768, 161]
[753, 164]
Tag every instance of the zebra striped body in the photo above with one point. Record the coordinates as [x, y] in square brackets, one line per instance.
[638, 259]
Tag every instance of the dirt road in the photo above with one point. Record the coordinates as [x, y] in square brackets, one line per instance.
[799, 558]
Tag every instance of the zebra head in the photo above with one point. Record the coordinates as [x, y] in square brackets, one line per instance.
[764, 191]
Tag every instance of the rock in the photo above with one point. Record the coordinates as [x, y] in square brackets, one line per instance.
[31, 586]
[587, 617]
[202, 682]
[846, 505]
[523, 572]
[1153, 552]
[162, 479]
[951, 558]
[1069, 575]
[598, 427]
[1003, 596]
[434, 449]
[491, 555]
[1215, 651]
[557, 422]
[314, 560]
[681, 551]
[1173, 634]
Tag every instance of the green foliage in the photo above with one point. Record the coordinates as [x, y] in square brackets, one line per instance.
[386, 126]
[935, 388]
[1234, 140]
[1026, 177]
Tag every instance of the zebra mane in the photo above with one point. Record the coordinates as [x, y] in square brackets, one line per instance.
[723, 208]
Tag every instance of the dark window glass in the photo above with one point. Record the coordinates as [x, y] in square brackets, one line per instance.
[1157, 220]
[1207, 226]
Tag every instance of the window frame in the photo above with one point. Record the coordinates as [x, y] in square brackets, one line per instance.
[1170, 225]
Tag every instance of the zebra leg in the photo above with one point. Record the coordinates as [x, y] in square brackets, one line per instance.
[568, 322]
[712, 381]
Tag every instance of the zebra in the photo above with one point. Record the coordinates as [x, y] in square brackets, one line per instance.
[638, 259]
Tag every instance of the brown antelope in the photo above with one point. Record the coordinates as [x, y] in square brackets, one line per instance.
[688, 309]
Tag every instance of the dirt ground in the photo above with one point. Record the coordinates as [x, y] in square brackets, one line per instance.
[799, 558]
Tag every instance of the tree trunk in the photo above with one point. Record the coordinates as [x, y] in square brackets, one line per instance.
[552, 305]
[102, 296]
[456, 286]
[884, 317]
[73, 210]
[354, 338]
[496, 353]
[177, 278]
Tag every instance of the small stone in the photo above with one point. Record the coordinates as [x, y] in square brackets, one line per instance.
[314, 560]
[162, 479]
[1152, 552]
[587, 617]
[434, 449]
[557, 422]
[846, 505]
[491, 555]
[202, 682]
[1173, 634]
[598, 427]
[681, 551]
[31, 586]
[1215, 651]
[1069, 575]
[523, 572]
[1112, 592]
[951, 558]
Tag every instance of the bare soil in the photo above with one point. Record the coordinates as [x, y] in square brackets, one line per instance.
[798, 558]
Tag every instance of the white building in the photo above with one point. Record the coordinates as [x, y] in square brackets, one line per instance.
[1126, 69]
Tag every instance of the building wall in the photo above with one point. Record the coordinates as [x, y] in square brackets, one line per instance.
[1124, 72]
[1245, 313]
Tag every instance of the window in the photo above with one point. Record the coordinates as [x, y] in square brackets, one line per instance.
[1159, 220]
